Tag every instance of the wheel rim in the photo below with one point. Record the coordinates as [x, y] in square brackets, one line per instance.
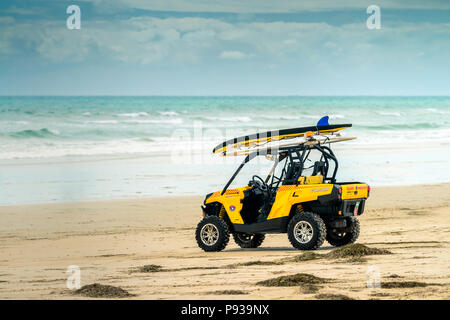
[303, 232]
[209, 234]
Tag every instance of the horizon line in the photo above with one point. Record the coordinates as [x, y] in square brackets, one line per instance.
[215, 96]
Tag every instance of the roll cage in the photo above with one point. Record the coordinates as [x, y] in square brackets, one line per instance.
[295, 158]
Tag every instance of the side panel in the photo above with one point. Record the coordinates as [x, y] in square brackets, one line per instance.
[289, 195]
[276, 225]
[231, 200]
[354, 191]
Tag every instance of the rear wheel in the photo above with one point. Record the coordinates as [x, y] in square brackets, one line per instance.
[306, 231]
[246, 240]
[339, 238]
[212, 234]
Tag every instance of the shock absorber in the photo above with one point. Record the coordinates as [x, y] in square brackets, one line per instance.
[300, 209]
[222, 212]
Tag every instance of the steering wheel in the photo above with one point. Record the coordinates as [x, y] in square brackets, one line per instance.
[259, 183]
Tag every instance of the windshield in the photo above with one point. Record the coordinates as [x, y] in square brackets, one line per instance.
[260, 166]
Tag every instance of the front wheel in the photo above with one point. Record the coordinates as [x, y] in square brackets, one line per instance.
[306, 231]
[246, 240]
[212, 234]
[339, 238]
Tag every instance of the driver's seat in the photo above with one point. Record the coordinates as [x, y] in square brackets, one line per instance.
[292, 173]
[319, 167]
[256, 203]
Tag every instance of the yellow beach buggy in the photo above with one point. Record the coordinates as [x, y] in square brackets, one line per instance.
[300, 196]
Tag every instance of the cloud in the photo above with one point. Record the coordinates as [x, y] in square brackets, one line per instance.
[148, 40]
[234, 55]
[191, 54]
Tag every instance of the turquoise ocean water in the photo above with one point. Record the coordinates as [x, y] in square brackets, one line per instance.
[86, 148]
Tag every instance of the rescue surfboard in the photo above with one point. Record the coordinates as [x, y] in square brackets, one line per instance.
[249, 141]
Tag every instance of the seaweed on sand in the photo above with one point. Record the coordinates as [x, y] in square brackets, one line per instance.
[97, 290]
[355, 250]
[292, 280]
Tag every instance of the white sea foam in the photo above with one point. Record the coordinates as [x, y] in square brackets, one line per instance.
[280, 117]
[230, 119]
[315, 117]
[161, 121]
[386, 113]
[336, 116]
[168, 113]
[104, 121]
[133, 114]
[433, 110]
[318, 117]
[54, 131]
[59, 149]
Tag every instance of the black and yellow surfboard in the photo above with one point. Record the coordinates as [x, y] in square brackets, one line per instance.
[276, 135]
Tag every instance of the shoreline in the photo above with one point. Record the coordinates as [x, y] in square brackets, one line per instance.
[184, 196]
[110, 240]
[348, 147]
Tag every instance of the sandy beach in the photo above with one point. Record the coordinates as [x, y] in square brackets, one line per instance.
[111, 240]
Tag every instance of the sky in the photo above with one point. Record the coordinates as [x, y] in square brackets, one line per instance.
[225, 47]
